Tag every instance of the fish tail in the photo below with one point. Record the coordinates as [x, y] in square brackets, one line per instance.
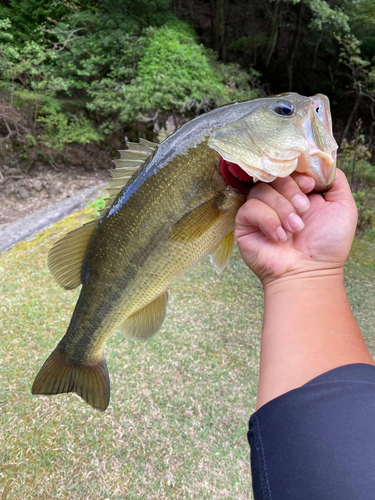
[89, 381]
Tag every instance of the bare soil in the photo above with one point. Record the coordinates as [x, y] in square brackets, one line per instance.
[25, 191]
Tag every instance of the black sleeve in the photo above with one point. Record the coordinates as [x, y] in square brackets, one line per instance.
[317, 442]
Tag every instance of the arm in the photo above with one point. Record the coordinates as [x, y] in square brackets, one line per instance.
[308, 325]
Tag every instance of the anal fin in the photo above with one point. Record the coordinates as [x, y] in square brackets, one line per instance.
[144, 323]
[89, 381]
[221, 255]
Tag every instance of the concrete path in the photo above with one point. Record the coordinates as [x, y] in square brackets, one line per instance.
[27, 227]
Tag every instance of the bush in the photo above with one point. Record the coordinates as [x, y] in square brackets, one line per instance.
[174, 73]
[100, 71]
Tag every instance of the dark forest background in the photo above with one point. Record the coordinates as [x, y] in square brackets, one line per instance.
[87, 73]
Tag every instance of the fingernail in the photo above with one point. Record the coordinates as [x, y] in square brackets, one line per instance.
[295, 222]
[300, 202]
[281, 234]
[304, 181]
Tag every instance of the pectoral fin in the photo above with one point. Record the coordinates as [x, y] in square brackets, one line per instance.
[220, 257]
[198, 221]
[144, 323]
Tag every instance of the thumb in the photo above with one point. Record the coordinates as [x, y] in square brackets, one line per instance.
[340, 191]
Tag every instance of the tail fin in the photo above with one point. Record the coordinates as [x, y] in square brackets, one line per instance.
[90, 382]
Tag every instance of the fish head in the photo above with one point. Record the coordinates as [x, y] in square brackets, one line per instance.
[280, 135]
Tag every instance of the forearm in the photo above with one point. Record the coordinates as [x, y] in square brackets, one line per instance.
[308, 329]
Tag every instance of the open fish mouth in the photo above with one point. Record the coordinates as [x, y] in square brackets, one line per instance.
[235, 176]
[324, 175]
[321, 164]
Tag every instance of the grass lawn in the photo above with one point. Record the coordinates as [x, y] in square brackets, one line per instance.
[177, 422]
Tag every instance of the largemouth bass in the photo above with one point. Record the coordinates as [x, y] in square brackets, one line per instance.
[178, 206]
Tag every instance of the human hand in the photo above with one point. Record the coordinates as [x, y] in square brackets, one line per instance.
[275, 242]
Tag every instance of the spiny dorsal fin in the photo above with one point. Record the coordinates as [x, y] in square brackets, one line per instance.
[113, 191]
[108, 201]
[151, 145]
[221, 255]
[144, 323]
[142, 148]
[128, 154]
[123, 167]
[129, 166]
[119, 181]
[66, 255]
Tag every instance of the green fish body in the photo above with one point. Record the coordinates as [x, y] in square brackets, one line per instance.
[178, 206]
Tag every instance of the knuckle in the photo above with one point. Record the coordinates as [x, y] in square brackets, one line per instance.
[287, 185]
[270, 220]
[281, 204]
[257, 189]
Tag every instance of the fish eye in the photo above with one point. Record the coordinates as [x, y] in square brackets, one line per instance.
[284, 108]
[317, 109]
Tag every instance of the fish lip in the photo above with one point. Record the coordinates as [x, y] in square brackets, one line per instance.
[319, 161]
[316, 166]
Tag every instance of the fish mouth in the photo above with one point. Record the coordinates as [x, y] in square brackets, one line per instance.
[321, 167]
[318, 165]
[235, 176]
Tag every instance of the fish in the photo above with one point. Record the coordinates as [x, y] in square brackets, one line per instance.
[169, 206]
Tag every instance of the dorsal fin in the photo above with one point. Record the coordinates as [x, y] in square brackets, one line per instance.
[65, 257]
[129, 166]
[151, 145]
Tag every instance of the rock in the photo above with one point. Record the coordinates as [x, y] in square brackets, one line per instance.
[23, 193]
[12, 171]
[37, 185]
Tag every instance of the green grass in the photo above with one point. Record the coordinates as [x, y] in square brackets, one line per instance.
[177, 422]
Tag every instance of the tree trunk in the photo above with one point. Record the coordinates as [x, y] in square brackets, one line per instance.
[293, 50]
[352, 114]
[273, 36]
[212, 23]
[220, 28]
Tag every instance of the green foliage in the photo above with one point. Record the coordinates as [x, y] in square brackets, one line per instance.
[33, 89]
[354, 160]
[326, 16]
[174, 73]
[105, 66]
[365, 201]
[29, 17]
[60, 129]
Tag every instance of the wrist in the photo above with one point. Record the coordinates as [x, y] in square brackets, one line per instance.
[305, 279]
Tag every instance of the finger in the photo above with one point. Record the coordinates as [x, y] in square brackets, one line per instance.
[289, 188]
[279, 203]
[255, 214]
[305, 182]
